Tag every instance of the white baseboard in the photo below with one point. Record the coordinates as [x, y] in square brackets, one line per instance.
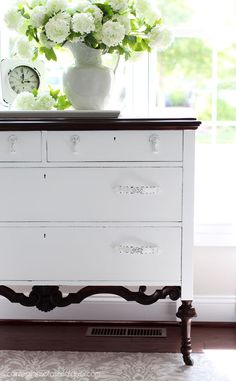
[94, 308]
[209, 308]
[215, 308]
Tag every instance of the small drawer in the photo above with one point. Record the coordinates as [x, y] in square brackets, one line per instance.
[109, 146]
[20, 146]
[119, 255]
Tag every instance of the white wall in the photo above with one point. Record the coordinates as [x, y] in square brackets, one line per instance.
[215, 296]
[215, 283]
[215, 271]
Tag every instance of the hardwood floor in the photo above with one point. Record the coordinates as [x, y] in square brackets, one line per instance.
[71, 336]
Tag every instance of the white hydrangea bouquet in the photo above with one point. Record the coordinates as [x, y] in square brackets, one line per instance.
[122, 26]
[37, 101]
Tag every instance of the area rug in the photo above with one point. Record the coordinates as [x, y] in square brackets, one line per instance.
[91, 366]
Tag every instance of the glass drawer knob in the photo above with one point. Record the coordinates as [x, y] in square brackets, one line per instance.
[12, 141]
[154, 141]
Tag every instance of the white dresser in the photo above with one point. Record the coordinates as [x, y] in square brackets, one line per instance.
[98, 203]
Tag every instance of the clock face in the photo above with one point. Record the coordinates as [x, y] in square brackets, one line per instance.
[23, 78]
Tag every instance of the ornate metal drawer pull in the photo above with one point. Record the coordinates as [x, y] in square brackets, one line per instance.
[137, 250]
[154, 140]
[75, 141]
[136, 190]
[12, 140]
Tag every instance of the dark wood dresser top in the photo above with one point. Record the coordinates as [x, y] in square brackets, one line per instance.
[94, 124]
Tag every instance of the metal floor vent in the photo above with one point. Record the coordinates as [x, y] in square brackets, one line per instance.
[126, 332]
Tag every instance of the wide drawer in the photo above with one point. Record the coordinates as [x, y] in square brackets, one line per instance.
[114, 146]
[91, 254]
[20, 146]
[91, 194]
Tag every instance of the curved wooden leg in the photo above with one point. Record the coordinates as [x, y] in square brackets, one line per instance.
[186, 312]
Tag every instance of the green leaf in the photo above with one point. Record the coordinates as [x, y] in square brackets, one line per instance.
[71, 11]
[134, 25]
[62, 103]
[46, 19]
[106, 9]
[35, 92]
[20, 7]
[122, 50]
[31, 33]
[23, 12]
[140, 45]
[74, 35]
[127, 54]
[26, 16]
[102, 46]
[91, 41]
[145, 45]
[36, 53]
[49, 53]
[149, 28]
[130, 40]
[54, 93]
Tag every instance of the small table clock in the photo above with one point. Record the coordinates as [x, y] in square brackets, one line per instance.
[18, 76]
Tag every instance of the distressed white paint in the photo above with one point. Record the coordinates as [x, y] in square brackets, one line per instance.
[89, 194]
[114, 146]
[188, 203]
[90, 254]
[65, 209]
[20, 146]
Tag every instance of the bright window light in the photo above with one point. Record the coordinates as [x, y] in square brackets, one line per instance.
[224, 362]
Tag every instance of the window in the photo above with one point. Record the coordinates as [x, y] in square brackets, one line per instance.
[196, 76]
[199, 72]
